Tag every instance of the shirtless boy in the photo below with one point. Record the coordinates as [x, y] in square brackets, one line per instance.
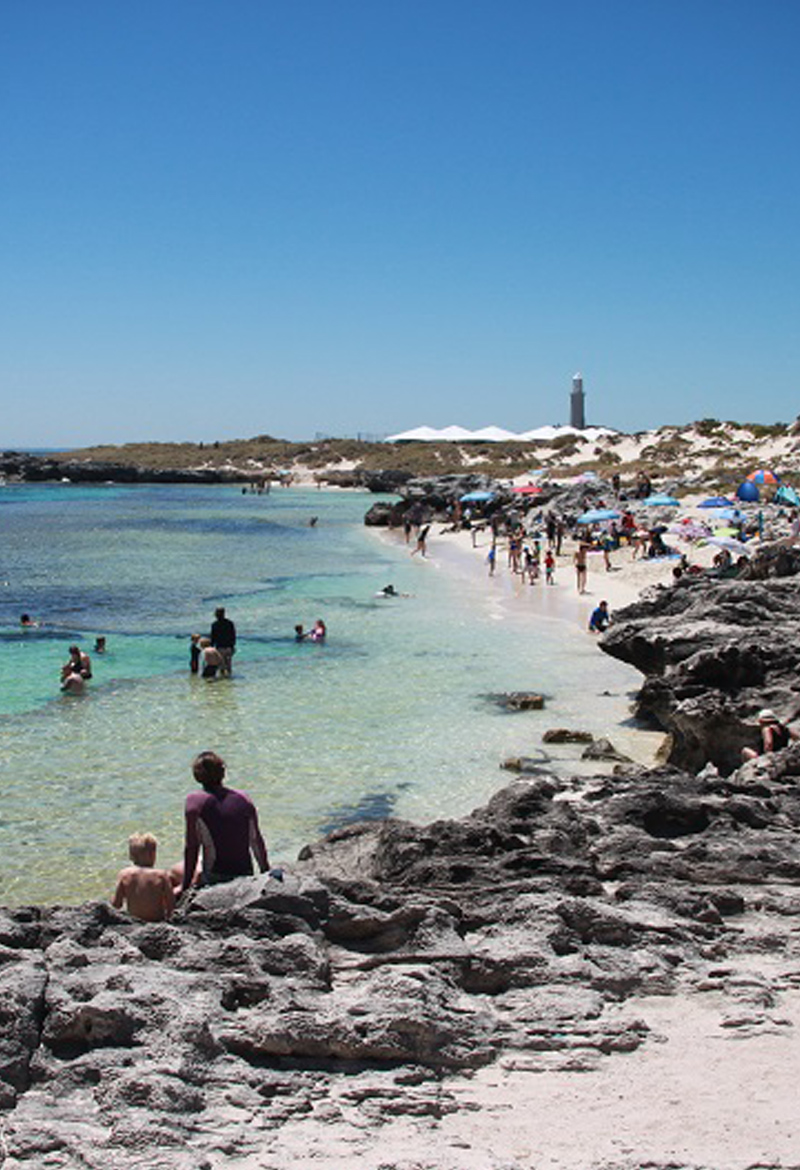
[145, 891]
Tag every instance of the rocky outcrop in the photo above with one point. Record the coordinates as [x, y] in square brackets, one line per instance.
[37, 468]
[714, 652]
[401, 956]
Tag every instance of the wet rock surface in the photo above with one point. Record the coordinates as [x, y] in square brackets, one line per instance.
[394, 961]
[714, 652]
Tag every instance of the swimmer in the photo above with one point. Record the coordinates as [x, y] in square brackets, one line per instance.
[100, 645]
[210, 657]
[79, 662]
[27, 622]
[300, 634]
[73, 683]
[146, 892]
[319, 633]
[390, 591]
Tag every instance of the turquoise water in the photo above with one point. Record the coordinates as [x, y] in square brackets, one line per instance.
[390, 716]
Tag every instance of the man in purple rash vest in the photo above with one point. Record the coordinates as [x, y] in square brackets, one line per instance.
[224, 823]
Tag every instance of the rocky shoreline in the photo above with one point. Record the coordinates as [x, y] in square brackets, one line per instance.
[396, 961]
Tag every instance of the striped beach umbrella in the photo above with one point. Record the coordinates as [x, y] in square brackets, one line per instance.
[764, 475]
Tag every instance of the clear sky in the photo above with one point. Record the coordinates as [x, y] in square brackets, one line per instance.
[224, 218]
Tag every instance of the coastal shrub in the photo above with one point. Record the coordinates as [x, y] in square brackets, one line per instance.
[564, 442]
[707, 426]
[766, 430]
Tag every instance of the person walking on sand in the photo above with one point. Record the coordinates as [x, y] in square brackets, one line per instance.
[549, 567]
[222, 824]
[421, 539]
[223, 638]
[145, 891]
[491, 558]
[580, 567]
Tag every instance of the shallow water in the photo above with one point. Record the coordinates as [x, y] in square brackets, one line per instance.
[393, 715]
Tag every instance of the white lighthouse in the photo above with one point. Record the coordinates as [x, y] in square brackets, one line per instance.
[577, 417]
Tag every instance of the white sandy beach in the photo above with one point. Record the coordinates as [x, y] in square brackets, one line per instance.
[713, 1087]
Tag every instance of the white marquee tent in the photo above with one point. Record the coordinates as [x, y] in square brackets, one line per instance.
[492, 434]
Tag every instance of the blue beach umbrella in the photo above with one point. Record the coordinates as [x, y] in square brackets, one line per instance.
[661, 502]
[477, 497]
[597, 516]
[716, 502]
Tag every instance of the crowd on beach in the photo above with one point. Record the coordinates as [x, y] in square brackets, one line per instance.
[540, 530]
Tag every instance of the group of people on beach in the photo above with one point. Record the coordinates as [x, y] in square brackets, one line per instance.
[222, 839]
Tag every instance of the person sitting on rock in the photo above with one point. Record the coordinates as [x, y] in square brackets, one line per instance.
[145, 891]
[774, 735]
[222, 823]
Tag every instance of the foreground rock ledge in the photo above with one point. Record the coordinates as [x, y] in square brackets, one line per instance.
[404, 957]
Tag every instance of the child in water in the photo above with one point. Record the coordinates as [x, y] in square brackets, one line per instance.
[145, 891]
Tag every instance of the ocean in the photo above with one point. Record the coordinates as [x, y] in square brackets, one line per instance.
[395, 714]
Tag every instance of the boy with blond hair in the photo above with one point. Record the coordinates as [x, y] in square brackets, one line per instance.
[145, 891]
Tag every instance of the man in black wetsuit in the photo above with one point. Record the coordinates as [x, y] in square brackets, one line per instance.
[223, 637]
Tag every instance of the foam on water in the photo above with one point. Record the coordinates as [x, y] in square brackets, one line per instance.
[393, 715]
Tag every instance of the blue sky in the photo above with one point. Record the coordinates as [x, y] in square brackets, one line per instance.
[223, 218]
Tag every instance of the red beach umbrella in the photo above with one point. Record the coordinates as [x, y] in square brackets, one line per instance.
[527, 489]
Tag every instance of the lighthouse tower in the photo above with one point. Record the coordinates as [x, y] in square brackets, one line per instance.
[577, 416]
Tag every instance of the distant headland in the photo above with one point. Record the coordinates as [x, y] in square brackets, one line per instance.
[708, 450]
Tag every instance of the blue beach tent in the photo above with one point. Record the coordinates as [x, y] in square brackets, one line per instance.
[748, 492]
[787, 495]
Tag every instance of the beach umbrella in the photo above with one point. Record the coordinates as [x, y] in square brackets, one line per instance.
[477, 497]
[689, 529]
[597, 516]
[716, 502]
[748, 492]
[726, 531]
[735, 514]
[764, 475]
[661, 501]
[728, 542]
[527, 489]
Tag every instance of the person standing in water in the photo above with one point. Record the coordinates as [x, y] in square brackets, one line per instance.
[223, 638]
